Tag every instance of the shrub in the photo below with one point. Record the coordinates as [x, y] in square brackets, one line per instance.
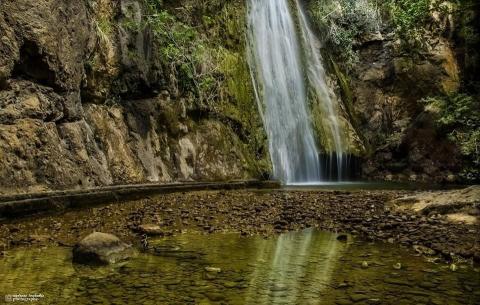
[459, 118]
[341, 22]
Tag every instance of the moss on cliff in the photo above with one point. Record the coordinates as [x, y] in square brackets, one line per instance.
[203, 50]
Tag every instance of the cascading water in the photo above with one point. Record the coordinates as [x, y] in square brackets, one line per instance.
[316, 78]
[275, 60]
[277, 73]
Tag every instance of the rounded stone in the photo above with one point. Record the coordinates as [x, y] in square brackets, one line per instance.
[101, 249]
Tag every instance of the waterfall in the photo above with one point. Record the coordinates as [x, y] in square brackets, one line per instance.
[279, 79]
[275, 56]
[316, 78]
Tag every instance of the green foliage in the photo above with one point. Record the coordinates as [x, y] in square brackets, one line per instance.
[193, 59]
[341, 22]
[179, 44]
[459, 117]
[409, 15]
[467, 36]
[105, 27]
[201, 45]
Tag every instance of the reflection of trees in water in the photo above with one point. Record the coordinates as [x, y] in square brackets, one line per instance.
[294, 268]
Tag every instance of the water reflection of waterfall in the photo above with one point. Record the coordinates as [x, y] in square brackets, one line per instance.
[275, 57]
[296, 267]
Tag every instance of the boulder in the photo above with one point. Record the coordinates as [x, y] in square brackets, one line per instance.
[101, 249]
[150, 229]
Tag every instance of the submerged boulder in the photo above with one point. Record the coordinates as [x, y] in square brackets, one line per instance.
[101, 249]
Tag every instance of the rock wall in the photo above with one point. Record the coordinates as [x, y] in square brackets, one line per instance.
[383, 94]
[86, 99]
[400, 134]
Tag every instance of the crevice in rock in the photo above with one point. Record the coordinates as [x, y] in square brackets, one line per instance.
[33, 66]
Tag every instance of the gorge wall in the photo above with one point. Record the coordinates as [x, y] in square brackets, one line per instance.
[98, 92]
[106, 92]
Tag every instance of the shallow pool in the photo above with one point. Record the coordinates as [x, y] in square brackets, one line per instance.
[307, 267]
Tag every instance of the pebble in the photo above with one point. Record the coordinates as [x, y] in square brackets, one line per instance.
[213, 269]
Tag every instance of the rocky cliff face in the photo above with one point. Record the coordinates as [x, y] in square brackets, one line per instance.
[387, 87]
[384, 88]
[88, 97]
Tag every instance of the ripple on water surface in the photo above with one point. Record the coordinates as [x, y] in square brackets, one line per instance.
[307, 267]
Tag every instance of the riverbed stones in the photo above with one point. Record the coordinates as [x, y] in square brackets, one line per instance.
[476, 257]
[101, 249]
[257, 213]
[357, 297]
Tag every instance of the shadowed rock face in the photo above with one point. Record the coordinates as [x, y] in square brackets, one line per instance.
[61, 63]
[387, 86]
[101, 249]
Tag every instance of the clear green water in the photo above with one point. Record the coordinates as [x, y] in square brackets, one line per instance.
[306, 267]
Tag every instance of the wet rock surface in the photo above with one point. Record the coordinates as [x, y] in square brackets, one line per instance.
[360, 213]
